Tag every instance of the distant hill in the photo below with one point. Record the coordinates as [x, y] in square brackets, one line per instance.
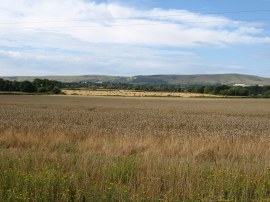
[228, 79]
[84, 78]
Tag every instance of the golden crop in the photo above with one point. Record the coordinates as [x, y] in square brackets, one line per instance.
[60, 148]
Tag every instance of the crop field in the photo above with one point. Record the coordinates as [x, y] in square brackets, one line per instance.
[133, 93]
[73, 148]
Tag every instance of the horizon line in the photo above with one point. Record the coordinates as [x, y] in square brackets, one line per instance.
[78, 75]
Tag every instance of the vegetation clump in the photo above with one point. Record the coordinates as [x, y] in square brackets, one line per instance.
[37, 86]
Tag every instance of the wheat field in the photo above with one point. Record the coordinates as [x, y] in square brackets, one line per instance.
[61, 148]
[133, 93]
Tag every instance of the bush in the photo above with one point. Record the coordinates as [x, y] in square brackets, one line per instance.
[42, 90]
[56, 90]
[27, 86]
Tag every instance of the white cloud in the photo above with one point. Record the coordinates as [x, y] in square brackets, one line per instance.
[185, 28]
[69, 37]
[115, 59]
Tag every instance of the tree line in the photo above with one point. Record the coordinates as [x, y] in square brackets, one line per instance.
[50, 86]
[37, 86]
[217, 89]
[225, 90]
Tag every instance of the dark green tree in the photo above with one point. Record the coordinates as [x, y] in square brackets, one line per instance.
[27, 86]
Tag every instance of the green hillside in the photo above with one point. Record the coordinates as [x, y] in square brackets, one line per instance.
[89, 78]
[228, 79]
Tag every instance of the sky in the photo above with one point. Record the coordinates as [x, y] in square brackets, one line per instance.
[136, 37]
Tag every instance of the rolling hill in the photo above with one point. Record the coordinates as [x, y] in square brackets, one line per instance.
[228, 79]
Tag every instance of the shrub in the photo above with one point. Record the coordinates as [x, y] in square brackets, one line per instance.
[56, 90]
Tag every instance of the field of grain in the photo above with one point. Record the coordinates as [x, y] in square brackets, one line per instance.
[130, 93]
[62, 148]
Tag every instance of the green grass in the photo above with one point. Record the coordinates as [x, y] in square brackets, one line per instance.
[64, 176]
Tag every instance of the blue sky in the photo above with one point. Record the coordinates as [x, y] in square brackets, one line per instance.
[137, 37]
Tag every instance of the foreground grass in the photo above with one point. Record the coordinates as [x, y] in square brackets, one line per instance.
[133, 149]
[56, 167]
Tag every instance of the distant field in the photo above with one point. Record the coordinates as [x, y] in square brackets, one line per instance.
[68, 148]
[129, 93]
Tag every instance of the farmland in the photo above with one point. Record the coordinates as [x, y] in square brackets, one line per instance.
[132, 93]
[73, 148]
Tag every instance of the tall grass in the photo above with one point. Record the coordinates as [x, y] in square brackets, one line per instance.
[131, 168]
[118, 149]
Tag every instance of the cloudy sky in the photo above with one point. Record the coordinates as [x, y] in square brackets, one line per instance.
[136, 37]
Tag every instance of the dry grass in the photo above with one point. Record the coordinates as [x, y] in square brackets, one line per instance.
[133, 149]
[130, 93]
